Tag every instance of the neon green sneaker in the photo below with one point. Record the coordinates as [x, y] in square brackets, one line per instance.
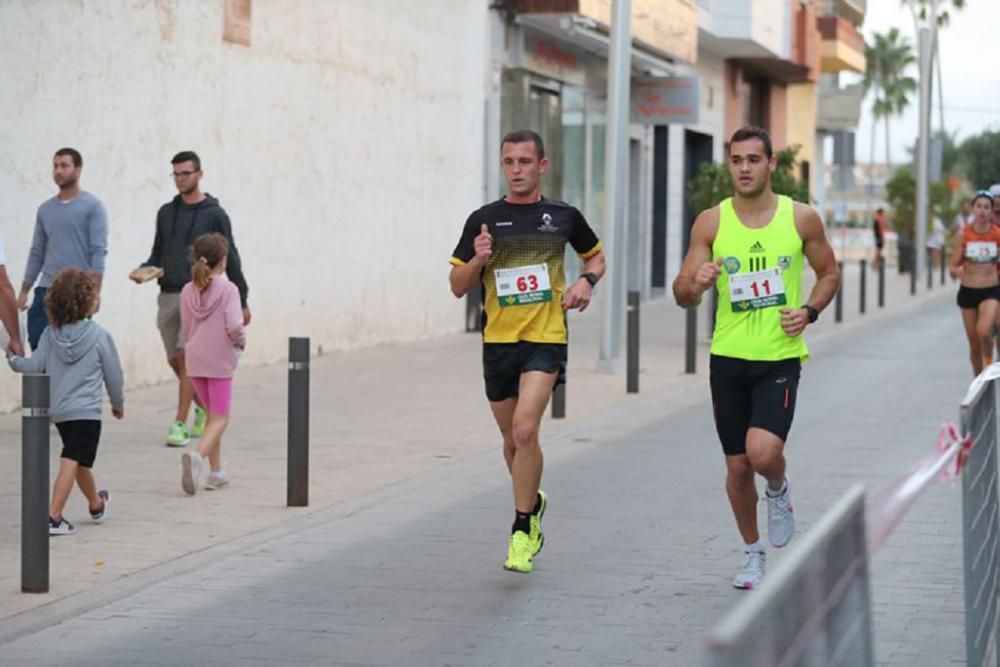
[537, 536]
[519, 553]
[178, 435]
[200, 418]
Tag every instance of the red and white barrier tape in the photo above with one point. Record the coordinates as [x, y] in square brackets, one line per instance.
[887, 509]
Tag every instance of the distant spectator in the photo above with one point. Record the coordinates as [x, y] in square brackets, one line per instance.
[878, 226]
[8, 310]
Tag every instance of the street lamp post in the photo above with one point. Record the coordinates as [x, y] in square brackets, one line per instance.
[923, 150]
[615, 178]
[926, 40]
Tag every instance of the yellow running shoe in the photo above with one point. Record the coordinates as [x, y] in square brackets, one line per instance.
[537, 537]
[519, 553]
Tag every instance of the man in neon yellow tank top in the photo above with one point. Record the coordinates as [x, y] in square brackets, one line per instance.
[753, 247]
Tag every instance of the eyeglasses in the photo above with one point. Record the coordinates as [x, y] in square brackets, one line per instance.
[182, 174]
[984, 193]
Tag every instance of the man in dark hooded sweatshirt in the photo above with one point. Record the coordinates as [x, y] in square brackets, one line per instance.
[178, 223]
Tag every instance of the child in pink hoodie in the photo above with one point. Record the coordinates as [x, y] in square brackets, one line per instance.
[213, 328]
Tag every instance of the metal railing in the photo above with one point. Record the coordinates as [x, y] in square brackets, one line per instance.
[981, 525]
[815, 607]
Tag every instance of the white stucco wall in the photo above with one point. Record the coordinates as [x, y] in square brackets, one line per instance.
[346, 143]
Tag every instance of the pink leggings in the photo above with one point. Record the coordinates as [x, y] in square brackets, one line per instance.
[216, 394]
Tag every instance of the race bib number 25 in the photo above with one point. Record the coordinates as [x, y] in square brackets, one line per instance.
[523, 285]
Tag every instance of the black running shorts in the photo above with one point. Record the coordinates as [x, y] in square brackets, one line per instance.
[752, 394]
[80, 438]
[503, 364]
[970, 297]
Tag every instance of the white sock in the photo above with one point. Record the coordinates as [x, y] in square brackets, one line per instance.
[757, 546]
[774, 493]
[221, 473]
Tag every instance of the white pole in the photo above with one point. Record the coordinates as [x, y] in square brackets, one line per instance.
[923, 154]
[616, 180]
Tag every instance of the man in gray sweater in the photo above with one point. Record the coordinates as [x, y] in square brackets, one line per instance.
[71, 229]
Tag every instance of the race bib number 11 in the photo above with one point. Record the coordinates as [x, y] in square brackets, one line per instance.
[523, 285]
[757, 289]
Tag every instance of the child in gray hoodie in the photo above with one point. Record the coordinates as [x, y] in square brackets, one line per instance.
[80, 357]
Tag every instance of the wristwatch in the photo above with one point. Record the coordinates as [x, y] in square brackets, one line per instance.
[812, 312]
[590, 278]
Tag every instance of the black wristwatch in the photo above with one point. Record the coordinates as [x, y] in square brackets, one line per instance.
[813, 313]
[590, 278]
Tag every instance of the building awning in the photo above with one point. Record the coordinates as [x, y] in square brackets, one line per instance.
[775, 68]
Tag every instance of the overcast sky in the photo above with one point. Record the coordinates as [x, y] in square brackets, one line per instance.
[970, 59]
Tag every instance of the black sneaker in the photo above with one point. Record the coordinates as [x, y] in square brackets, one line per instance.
[98, 516]
[60, 527]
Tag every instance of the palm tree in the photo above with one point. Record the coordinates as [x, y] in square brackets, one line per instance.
[888, 58]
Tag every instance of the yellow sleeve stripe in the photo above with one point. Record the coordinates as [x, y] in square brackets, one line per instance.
[455, 261]
[593, 251]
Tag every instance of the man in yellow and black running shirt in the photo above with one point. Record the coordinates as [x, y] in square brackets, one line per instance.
[752, 247]
[513, 250]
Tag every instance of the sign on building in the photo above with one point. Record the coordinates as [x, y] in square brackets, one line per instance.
[666, 101]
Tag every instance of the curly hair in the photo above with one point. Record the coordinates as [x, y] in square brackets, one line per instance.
[72, 297]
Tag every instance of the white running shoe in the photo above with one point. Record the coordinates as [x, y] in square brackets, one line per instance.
[99, 516]
[192, 471]
[780, 517]
[216, 481]
[752, 572]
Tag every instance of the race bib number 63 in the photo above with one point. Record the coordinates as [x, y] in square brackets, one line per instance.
[523, 285]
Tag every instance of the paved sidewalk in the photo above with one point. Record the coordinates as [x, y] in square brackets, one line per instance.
[380, 417]
[640, 548]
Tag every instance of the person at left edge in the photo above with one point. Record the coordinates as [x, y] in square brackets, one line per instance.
[513, 250]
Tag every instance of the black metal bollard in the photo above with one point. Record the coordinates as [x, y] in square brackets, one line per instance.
[913, 277]
[864, 283]
[473, 311]
[35, 484]
[632, 352]
[881, 284]
[298, 422]
[690, 339]
[930, 269]
[943, 262]
[838, 298]
[559, 402]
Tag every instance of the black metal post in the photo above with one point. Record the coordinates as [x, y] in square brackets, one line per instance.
[864, 282]
[298, 422]
[838, 298]
[930, 269]
[690, 339]
[943, 262]
[632, 351]
[881, 284]
[913, 275]
[559, 402]
[473, 310]
[35, 484]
